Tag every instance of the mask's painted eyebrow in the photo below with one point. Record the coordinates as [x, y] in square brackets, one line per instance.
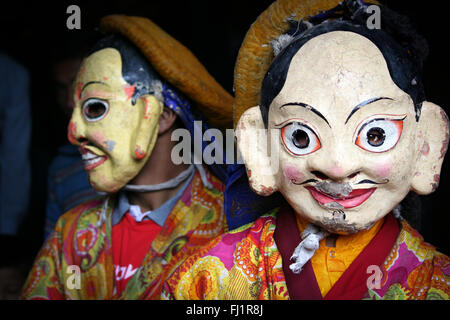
[92, 82]
[306, 106]
[363, 104]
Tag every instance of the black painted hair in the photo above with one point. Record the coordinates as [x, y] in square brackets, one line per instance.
[403, 49]
[136, 70]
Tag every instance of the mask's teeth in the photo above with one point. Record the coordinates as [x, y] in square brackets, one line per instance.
[89, 156]
[93, 161]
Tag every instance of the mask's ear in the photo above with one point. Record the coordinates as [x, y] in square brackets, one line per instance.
[433, 138]
[147, 130]
[252, 141]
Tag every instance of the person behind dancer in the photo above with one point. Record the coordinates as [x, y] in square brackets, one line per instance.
[131, 93]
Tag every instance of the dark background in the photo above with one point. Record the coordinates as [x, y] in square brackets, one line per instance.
[36, 33]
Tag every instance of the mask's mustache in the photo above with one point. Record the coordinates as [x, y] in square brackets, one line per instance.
[304, 182]
[335, 190]
[373, 182]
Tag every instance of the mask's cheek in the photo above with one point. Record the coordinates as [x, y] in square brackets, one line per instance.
[394, 172]
[383, 170]
[292, 174]
[104, 141]
[98, 138]
[110, 145]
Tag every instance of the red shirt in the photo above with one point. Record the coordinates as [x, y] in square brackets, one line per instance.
[130, 242]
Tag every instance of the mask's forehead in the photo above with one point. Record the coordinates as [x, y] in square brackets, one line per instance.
[337, 71]
[104, 65]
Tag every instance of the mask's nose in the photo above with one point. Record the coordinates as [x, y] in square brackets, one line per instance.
[334, 174]
[76, 129]
[337, 165]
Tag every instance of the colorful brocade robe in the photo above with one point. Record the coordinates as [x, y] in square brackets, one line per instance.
[252, 262]
[78, 245]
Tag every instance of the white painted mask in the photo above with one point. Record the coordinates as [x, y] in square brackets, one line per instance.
[346, 146]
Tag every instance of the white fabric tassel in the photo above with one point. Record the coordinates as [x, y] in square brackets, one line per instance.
[306, 248]
[102, 218]
[203, 176]
[397, 212]
[137, 214]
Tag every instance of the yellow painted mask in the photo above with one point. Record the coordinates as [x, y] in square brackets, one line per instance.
[115, 133]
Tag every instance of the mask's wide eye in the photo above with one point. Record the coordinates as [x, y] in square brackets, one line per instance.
[299, 139]
[379, 135]
[95, 109]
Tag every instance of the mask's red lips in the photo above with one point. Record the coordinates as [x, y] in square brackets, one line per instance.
[354, 199]
[90, 159]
